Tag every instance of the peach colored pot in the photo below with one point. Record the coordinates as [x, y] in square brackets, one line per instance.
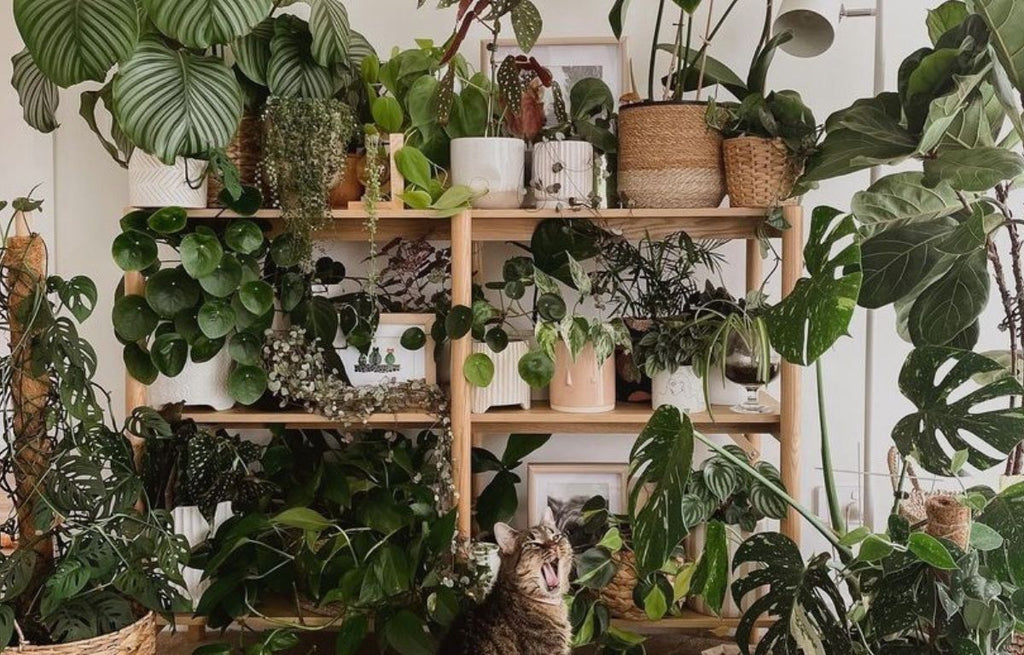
[350, 188]
[583, 386]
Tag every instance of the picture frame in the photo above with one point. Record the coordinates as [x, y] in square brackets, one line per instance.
[387, 359]
[565, 487]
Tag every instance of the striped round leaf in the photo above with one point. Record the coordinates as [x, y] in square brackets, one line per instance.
[201, 23]
[328, 21]
[359, 48]
[252, 51]
[292, 71]
[763, 499]
[722, 478]
[38, 95]
[77, 40]
[172, 102]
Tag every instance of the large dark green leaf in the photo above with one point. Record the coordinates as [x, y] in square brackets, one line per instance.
[904, 197]
[555, 240]
[944, 18]
[498, 501]
[293, 71]
[975, 169]
[711, 578]
[202, 23]
[1005, 515]
[173, 102]
[77, 40]
[1004, 18]
[898, 259]
[952, 304]
[850, 149]
[799, 597]
[819, 309]
[941, 426]
[715, 72]
[406, 633]
[659, 466]
[38, 95]
[252, 51]
[328, 23]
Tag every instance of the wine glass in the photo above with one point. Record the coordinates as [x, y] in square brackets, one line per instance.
[744, 365]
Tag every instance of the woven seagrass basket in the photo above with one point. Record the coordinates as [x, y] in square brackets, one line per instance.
[246, 152]
[758, 171]
[1016, 645]
[913, 507]
[138, 638]
[669, 157]
[617, 595]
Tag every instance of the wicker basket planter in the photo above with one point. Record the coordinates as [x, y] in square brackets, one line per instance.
[669, 157]
[246, 152]
[138, 638]
[617, 595]
[350, 188]
[758, 171]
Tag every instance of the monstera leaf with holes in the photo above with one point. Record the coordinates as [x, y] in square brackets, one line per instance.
[659, 466]
[941, 426]
[806, 603]
[819, 309]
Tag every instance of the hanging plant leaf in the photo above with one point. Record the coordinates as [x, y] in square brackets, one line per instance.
[77, 40]
[659, 466]
[793, 591]
[496, 339]
[952, 304]
[171, 291]
[134, 251]
[459, 321]
[536, 369]
[139, 364]
[247, 384]
[168, 220]
[216, 318]
[940, 427]
[413, 338]
[133, 318]
[328, 22]
[38, 96]
[819, 309]
[898, 259]
[904, 197]
[200, 254]
[257, 297]
[117, 146]
[292, 71]
[285, 250]
[245, 348]
[246, 204]
[478, 369]
[225, 279]
[173, 102]
[202, 23]
[169, 353]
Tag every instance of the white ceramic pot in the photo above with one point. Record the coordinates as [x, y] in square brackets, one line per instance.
[681, 388]
[563, 173]
[722, 391]
[189, 522]
[486, 560]
[493, 167]
[152, 183]
[203, 384]
[695, 546]
[507, 388]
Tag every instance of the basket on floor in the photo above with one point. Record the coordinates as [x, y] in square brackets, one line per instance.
[246, 152]
[138, 638]
[758, 172]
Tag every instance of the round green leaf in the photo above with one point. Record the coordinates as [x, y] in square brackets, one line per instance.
[257, 297]
[204, 349]
[459, 321]
[515, 289]
[186, 324]
[174, 102]
[249, 322]
[413, 339]
[169, 353]
[225, 279]
[171, 291]
[139, 364]
[246, 384]
[293, 290]
[168, 220]
[133, 318]
[285, 250]
[247, 204]
[202, 23]
[388, 114]
[496, 339]
[536, 369]
[244, 236]
[478, 369]
[245, 348]
[134, 251]
[216, 318]
[200, 254]
[551, 307]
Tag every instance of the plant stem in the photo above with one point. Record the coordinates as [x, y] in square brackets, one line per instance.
[676, 68]
[684, 72]
[838, 524]
[654, 49]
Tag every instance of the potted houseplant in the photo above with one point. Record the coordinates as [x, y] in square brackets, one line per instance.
[564, 164]
[666, 354]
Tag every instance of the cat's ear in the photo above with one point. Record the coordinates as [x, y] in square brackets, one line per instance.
[506, 537]
[548, 520]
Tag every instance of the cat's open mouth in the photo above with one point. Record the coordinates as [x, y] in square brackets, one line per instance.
[549, 571]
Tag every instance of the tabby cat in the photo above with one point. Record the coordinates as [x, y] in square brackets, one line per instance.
[525, 613]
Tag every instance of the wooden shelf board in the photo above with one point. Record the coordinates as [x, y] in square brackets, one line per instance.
[245, 417]
[625, 418]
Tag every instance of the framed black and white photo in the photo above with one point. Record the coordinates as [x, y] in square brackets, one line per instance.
[387, 360]
[566, 488]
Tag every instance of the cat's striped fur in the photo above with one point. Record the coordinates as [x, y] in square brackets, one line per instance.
[525, 613]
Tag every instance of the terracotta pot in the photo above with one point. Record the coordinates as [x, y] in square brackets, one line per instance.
[350, 188]
[583, 386]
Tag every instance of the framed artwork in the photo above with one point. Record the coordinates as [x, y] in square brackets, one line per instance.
[387, 360]
[565, 488]
[571, 59]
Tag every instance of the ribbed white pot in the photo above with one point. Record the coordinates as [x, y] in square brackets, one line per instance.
[190, 523]
[152, 183]
[493, 167]
[198, 384]
[563, 173]
[681, 388]
[695, 546]
[507, 388]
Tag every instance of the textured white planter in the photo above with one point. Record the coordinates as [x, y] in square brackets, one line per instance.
[722, 391]
[198, 384]
[152, 183]
[507, 388]
[695, 546]
[190, 523]
[681, 388]
[491, 166]
[563, 173]
[487, 560]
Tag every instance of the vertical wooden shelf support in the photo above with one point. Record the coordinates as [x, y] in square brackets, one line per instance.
[755, 271]
[789, 395]
[462, 446]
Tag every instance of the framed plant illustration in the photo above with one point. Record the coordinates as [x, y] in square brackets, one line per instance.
[401, 351]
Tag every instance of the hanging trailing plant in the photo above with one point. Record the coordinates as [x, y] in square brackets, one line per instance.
[304, 156]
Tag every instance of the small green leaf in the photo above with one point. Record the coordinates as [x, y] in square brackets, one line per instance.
[245, 348]
[171, 291]
[874, 548]
[655, 603]
[247, 384]
[413, 166]
[303, 518]
[133, 318]
[139, 364]
[168, 220]
[931, 551]
[169, 353]
[536, 369]
[413, 338]
[478, 369]
[388, 114]
[216, 318]
[985, 538]
[257, 297]
[459, 321]
[134, 251]
[243, 236]
[200, 254]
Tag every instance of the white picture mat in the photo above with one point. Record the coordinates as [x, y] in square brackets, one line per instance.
[565, 481]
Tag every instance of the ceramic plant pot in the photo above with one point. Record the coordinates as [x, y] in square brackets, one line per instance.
[681, 388]
[730, 610]
[507, 388]
[204, 384]
[189, 522]
[492, 167]
[152, 183]
[583, 386]
[563, 174]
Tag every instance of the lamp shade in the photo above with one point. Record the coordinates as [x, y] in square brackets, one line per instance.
[813, 24]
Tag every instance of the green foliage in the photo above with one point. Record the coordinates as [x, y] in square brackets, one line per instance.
[498, 501]
[779, 115]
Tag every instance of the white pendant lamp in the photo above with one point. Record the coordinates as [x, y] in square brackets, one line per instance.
[813, 24]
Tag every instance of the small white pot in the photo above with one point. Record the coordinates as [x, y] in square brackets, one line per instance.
[507, 388]
[198, 384]
[152, 183]
[493, 167]
[722, 391]
[695, 546]
[681, 388]
[487, 560]
[563, 173]
[190, 523]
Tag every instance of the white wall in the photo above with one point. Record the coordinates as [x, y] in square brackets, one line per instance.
[87, 192]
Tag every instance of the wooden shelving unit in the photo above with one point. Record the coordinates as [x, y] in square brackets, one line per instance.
[470, 229]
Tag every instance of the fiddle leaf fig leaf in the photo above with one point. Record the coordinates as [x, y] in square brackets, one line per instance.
[659, 466]
[862, 137]
[941, 426]
[819, 309]
[904, 197]
[1004, 18]
[944, 18]
[793, 588]
[974, 169]
[898, 259]
[952, 304]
